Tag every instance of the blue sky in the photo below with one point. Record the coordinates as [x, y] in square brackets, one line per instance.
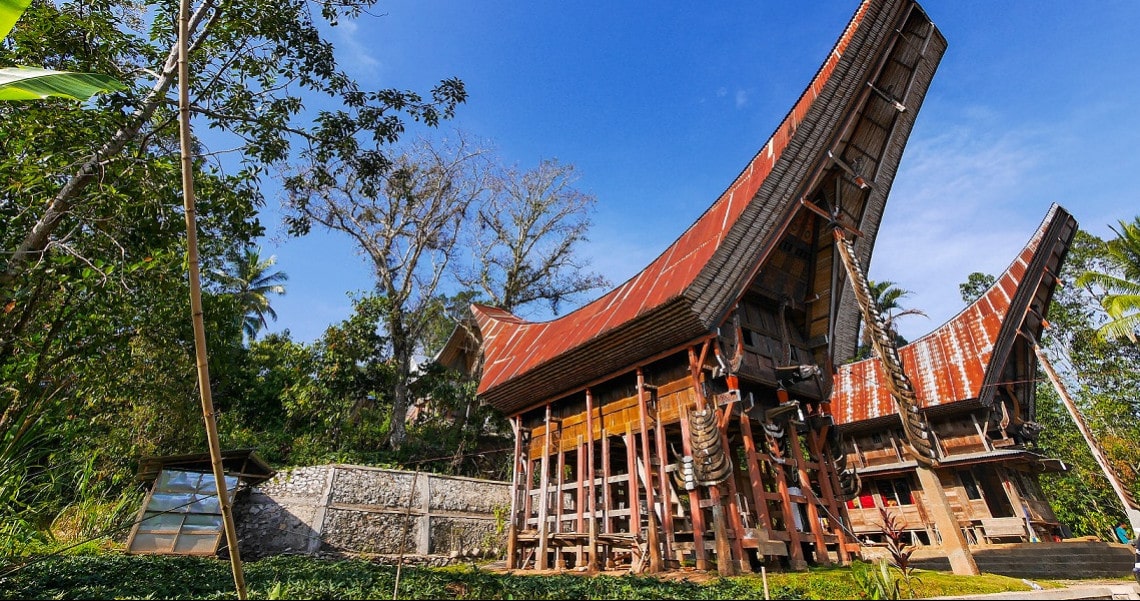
[660, 105]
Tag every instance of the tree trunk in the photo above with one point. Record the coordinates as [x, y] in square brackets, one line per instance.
[402, 347]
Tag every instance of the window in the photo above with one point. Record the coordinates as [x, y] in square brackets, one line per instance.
[183, 515]
[863, 501]
[895, 492]
[970, 485]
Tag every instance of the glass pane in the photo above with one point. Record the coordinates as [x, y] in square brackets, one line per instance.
[165, 501]
[202, 522]
[161, 521]
[197, 544]
[152, 543]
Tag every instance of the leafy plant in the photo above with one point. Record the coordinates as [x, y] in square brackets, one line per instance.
[33, 83]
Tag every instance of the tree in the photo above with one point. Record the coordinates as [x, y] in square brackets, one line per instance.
[525, 237]
[251, 59]
[975, 286]
[32, 83]
[886, 295]
[1119, 282]
[1104, 382]
[247, 278]
[405, 218]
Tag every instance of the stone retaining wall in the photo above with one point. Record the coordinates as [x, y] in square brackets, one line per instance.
[337, 509]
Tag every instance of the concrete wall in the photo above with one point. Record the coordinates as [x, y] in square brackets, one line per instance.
[335, 509]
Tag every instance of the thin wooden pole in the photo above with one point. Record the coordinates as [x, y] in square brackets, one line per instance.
[559, 560]
[634, 494]
[580, 505]
[759, 496]
[795, 550]
[814, 523]
[825, 473]
[593, 551]
[696, 513]
[544, 498]
[650, 504]
[196, 311]
[666, 487]
[512, 528]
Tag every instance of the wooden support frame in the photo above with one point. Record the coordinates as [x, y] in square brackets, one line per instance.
[591, 475]
[544, 498]
[825, 474]
[651, 519]
[513, 528]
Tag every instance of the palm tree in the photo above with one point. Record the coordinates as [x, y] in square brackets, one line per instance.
[247, 278]
[887, 295]
[1120, 281]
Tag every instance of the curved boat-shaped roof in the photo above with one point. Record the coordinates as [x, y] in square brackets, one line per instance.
[686, 291]
[964, 358]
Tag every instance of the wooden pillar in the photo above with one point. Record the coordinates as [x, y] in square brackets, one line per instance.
[742, 564]
[607, 498]
[953, 541]
[560, 476]
[544, 497]
[634, 494]
[650, 504]
[815, 524]
[580, 504]
[825, 472]
[697, 515]
[795, 550]
[590, 473]
[759, 498]
[512, 528]
[666, 489]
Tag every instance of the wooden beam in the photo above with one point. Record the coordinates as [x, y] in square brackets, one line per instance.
[815, 525]
[795, 550]
[590, 474]
[738, 555]
[654, 542]
[825, 475]
[759, 500]
[633, 494]
[512, 529]
[580, 503]
[544, 498]
[696, 514]
[666, 490]
[559, 559]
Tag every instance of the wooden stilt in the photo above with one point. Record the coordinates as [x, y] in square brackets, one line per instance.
[560, 477]
[544, 497]
[828, 480]
[590, 474]
[734, 518]
[650, 504]
[815, 525]
[759, 498]
[634, 494]
[795, 549]
[580, 504]
[666, 491]
[696, 514]
[513, 528]
[607, 499]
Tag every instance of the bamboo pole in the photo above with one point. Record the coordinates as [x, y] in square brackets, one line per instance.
[184, 136]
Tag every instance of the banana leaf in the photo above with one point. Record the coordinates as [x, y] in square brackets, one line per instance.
[31, 83]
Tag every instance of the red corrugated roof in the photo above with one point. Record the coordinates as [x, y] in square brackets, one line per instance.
[513, 346]
[952, 362]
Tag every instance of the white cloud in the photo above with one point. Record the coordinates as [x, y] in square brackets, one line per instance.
[741, 98]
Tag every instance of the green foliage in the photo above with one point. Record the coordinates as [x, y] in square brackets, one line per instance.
[1103, 379]
[975, 285]
[109, 576]
[1119, 282]
[247, 278]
